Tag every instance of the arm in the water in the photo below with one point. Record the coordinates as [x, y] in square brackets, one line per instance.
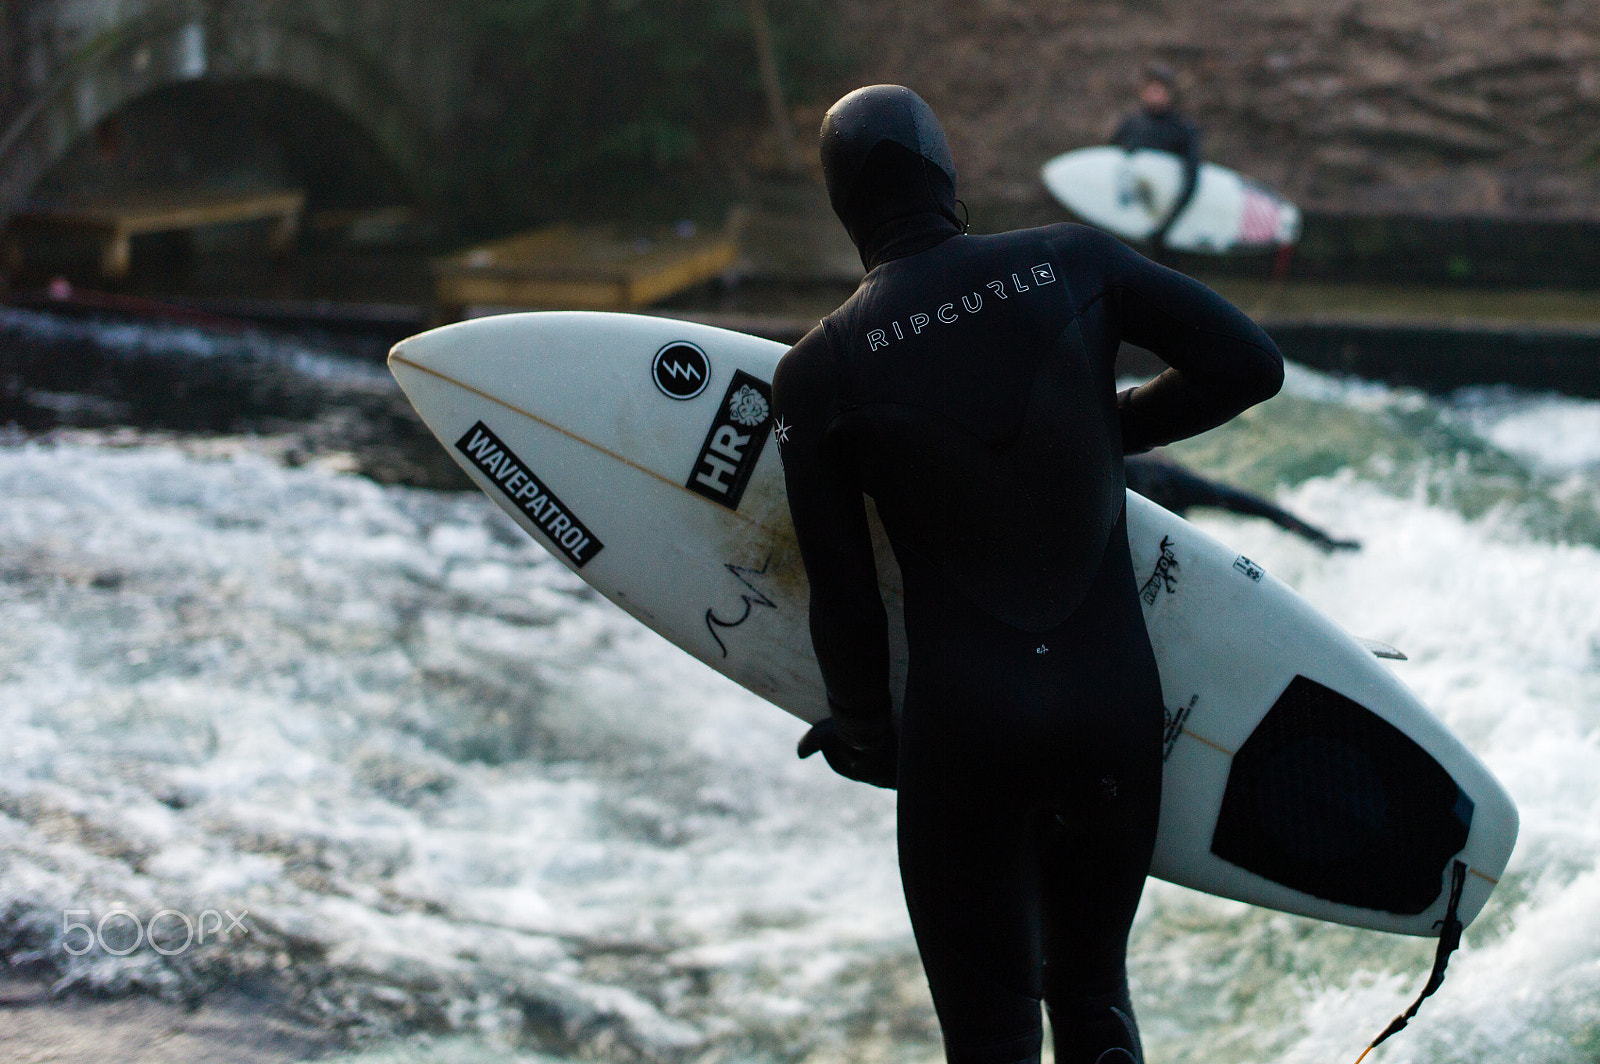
[1168, 484]
[1239, 501]
[849, 627]
[1221, 362]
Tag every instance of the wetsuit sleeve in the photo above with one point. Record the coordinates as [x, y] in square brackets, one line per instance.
[1191, 175]
[1221, 362]
[849, 627]
[1126, 136]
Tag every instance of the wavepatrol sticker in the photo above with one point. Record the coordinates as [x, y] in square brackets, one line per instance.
[484, 449]
[734, 443]
[681, 370]
[1248, 568]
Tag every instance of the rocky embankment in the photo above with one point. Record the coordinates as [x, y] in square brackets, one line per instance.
[1475, 107]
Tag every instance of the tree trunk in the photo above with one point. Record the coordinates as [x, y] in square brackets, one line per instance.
[782, 126]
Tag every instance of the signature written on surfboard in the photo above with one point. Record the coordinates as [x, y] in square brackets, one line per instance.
[752, 598]
[528, 494]
[1165, 577]
[1172, 725]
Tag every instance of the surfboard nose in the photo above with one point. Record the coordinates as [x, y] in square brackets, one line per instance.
[446, 347]
[447, 352]
[415, 349]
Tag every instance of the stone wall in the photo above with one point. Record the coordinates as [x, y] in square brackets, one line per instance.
[1481, 107]
[396, 70]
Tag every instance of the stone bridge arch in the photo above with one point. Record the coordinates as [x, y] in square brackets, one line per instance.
[187, 41]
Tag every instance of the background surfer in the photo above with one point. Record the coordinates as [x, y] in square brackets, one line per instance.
[1158, 126]
[1028, 752]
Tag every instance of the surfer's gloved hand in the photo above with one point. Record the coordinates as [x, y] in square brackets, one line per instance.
[864, 750]
[1132, 441]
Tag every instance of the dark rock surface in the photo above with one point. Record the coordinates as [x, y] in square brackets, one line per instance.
[1476, 107]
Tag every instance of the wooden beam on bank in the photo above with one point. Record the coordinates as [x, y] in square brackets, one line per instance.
[565, 267]
[113, 223]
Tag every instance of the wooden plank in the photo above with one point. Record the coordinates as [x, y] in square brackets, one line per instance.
[114, 223]
[591, 268]
[531, 293]
[513, 254]
[163, 213]
[689, 269]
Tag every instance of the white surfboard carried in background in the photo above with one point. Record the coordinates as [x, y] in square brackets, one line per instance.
[1300, 773]
[1130, 193]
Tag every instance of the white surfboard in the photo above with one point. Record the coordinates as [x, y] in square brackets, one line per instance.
[1130, 193]
[1300, 773]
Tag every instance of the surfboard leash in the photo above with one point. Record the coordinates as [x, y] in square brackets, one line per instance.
[1449, 939]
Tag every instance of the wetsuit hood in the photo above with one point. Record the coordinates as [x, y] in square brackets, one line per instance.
[889, 173]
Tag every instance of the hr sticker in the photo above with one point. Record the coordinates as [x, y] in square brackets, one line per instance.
[733, 443]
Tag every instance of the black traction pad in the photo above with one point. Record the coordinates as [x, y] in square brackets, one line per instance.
[1329, 799]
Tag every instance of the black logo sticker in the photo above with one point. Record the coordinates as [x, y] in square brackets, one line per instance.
[681, 370]
[1165, 576]
[1248, 568]
[529, 494]
[734, 443]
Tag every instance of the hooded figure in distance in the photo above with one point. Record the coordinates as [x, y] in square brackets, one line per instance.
[1158, 126]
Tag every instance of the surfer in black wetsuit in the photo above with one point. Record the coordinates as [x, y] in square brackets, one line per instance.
[1157, 125]
[967, 387]
[1166, 483]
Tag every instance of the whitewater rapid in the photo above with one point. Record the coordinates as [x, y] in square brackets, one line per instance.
[466, 803]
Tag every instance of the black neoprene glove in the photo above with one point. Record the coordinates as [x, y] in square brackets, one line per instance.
[1132, 441]
[875, 763]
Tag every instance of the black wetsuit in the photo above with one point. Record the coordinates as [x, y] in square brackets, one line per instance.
[1165, 130]
[968, 388]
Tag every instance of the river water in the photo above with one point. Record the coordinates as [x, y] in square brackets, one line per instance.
[466, 810]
